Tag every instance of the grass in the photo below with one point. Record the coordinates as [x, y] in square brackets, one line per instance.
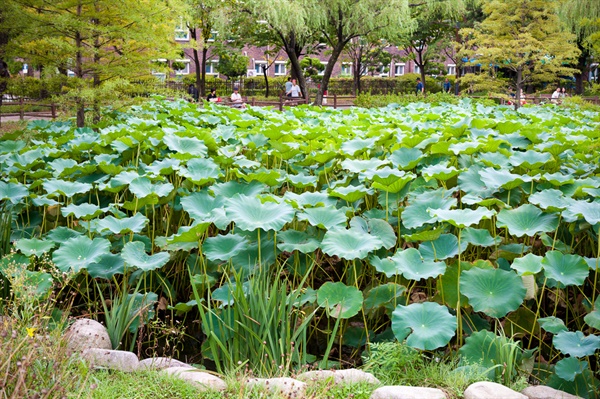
[10, 126]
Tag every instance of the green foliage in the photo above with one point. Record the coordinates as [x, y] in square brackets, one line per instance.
[311, 66]
[232, 65]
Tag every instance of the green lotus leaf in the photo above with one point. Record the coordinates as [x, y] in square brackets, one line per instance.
[406, 158]
[576, 343]
[163, 167]
[412, 266]
[107, 266]
[470, 182]
[353, 146]
[592, 319]
[530, 159]
[526, 220]
[141, 309]
[484, 348]
[14, 192]
[201, 171]
[569, 368]
[248, 260]
[566, 269]
[550, 199]
[224, 247]
[227, 292]
[468, 147]
[142, 187]
[462, 217]
[590, 211]
[552, 324]
[416, 214]
[42, 200]
[426, 326]
[496, 179]
[384, 265]
[383, 295]
[350, 193]
[327, 217]
[270, 177]
[440, 171]
[349, 244]
[360, 165]
[11, 146]
[558, 179]
[201, 205]
[309, 198]
[340, 301]
[79, 252]
[186, 145]
[62, 234]
[34, 246]
[249, 213]
[527, 265]
[387, 176]
[392, 183]
[84, 211]
[134, 254]
[66, 188]
[61, 164]
[294, 240]
[494, 292]
[134, 224]
[444, 247]
[383, 230]
[479, 237]
[302, 180]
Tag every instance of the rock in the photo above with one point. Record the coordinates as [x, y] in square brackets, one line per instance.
[349, 376]
[404, 392]
[160, 363]
[112, 359]
[288, 387]
[491, 390]
[544, 392]
[86, 334]
[197, 377]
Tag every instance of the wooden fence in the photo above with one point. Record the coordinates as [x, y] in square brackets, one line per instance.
[23, 107]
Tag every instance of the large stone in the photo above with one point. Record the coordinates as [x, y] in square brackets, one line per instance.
[544, 392]
[111, 359]
[197, 377]
[491, 390]
[349, 376]
[404, 392]
[160, 363]
[288, 387]
[86, 334]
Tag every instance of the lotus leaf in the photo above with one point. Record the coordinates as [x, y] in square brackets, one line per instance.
[294, 240]
[350, 193]
[62, 234]
[526, 220]
[496, 179]
[552, 324]
[383, 295]
[134, 224]
[185, 145]
[527, 265]
[107, 266]
[34, 246]
[479, 237]
[530, 159]
[327, 217]
[200, 171]
[143, 187]
[224, 247]
[134, 254]
[440, 171]
[340, 300]
[416, 214]
[14, 192]
[444, 247]
[426, 326]
[565, 269]
[462, 217]
[412, 266]
[570, 367]
[66, 188]
[84, 211]
[494, 292]
[576, 343]
[550, 199]
[350, 243]
[79, 252]
[249, 213]
[406, 158]
[589, 210]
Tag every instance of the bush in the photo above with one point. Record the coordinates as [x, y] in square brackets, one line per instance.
[373, 101]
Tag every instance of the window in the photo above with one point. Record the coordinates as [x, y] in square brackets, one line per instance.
[182, 33]
[213, 36]
[399, 69]
[211, 67]
[162, 65]
[259, 66]
[280, 68]
[186, 67]
[346, 69]
[417, 69]
[451, 69]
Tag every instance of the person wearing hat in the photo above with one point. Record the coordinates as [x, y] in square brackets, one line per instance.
[236, 99]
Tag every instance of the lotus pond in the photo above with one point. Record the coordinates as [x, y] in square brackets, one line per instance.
[281, 239]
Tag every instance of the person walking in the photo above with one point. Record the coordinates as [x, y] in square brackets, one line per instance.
[420, 87]
[294, 91]
[447, 86]
[288, 86]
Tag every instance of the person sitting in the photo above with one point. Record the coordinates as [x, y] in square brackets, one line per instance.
[212, 97]
[193, 92]
[556, 95]
[236, 99]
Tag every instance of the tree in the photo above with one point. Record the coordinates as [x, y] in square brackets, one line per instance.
[98, 40]
[581, 18]
[311, 66]
[232, 65]
[365, 53]
[523, 37]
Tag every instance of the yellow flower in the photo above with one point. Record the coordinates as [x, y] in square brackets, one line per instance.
[30, 331]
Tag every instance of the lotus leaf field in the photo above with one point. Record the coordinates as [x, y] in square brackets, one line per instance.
[315, 231]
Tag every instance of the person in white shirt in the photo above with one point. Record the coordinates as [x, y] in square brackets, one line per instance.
[236, 99]
[294, 91]
[556, 95]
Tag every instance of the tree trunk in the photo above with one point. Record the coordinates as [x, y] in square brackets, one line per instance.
[519, 87]
[335, 54]
[196, 59]
[80, 106]
[266, 82]
[203, 71]
[357, 73]
[582, 66]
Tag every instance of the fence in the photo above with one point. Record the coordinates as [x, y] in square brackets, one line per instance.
[23, 107]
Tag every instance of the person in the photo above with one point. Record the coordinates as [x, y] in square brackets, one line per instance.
[563, 92]
[556, 95]
[288, 86]
[447, 86]
[212, 97]
[420, 87]
[193, 92]
[236, 99]
[294, 91]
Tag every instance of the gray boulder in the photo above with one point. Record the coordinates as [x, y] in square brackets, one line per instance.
[197, 377]
[544, 392]
[288, 387]
[491, 390]
[349, 376]
[86, 334]
[111, 359]
[160, 363]
[404, 392]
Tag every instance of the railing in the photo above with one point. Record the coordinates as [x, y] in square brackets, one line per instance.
[23, 106]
